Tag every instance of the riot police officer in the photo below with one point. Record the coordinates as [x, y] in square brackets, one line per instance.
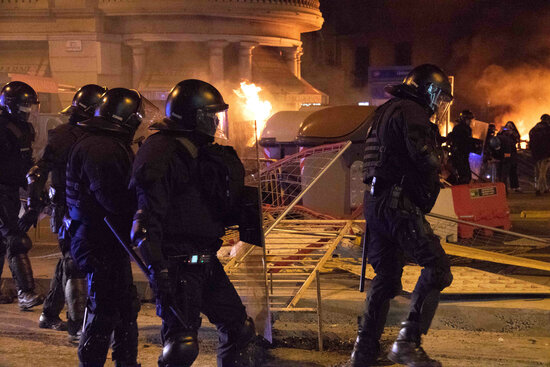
[462, 144]
[18, 103]
[401, 164]
[68, 282]
[179, 223]
[540, 151]
[98, 173]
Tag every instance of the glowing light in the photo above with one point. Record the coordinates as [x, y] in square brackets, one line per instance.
[253, 107]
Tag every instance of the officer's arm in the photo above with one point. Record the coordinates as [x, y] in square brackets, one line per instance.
[147, 226]
[108, 177]
[38, 174]
[154, 183]
[420, 143]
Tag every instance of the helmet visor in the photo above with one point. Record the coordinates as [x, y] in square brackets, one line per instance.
[440, 103]
[222, 130]
[29, 112]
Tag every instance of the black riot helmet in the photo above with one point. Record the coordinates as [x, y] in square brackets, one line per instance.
[19, 100]
[121, 110]
[466, 116]
[85, 101]
[194, 106]
[545, 118]
[428, 85]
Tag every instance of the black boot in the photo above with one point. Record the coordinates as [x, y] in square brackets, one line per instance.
[20, 266]
[407, 350]
[76, 294]
[54, 323]
[365, 352]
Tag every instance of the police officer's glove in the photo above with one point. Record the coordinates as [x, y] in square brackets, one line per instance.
[30, 218]
[139, 231]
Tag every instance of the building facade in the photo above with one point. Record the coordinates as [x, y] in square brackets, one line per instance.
[151, 45]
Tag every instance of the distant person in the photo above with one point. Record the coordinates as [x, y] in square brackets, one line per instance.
[539, 145]
[461, 142]
[507, 157]
[491, 151]
[512, 131]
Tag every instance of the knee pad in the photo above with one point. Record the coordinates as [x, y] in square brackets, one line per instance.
[385, 287]
[93, 348]
[439, 276]
[70, 268]
[18, 243]
[179, 351]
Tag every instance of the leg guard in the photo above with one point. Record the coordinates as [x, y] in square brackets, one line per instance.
[179, 351]
[95, 339]
[55, 299]
[20, 266]
[4, 298]
[407, 350]
[236, 347]
[366, 349]
[76, 293]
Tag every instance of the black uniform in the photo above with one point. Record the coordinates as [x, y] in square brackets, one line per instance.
[461, 145]
[401, 161]
[16, 138]
[98, 174]
[182, 224]
[54, 160]
[507, 157]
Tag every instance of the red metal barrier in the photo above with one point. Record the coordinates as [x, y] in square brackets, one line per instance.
[483, 203]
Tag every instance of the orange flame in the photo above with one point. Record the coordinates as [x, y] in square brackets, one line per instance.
[253, 107]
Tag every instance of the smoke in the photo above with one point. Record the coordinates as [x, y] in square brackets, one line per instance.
[502, 63]
[520, 94]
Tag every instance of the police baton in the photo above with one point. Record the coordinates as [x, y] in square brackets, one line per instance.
[144, 269]
[363, 260]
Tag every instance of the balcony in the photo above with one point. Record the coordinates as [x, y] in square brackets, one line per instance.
[302, 13]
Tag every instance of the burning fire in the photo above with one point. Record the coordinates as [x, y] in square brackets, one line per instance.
[254, 108]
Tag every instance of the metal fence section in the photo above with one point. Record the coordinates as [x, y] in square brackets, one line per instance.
[485, 238]
[283, 185]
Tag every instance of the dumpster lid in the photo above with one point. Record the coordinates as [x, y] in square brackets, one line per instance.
[283, 126]
[336, 123]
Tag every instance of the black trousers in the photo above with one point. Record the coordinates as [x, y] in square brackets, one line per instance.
[204, 288]
[461, 163]
[13, 242]
[112, 306]
[393, 235]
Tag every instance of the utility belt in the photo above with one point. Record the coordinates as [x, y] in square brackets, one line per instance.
[197, 259]
[397, 200]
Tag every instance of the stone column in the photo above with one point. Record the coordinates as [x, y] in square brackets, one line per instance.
[293, 58]
[138, 60]
[245, 59]
[217, 75]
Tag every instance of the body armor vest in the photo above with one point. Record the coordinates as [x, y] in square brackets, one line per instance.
[18, 160]
[375, 155]
[189, 214]
[69, 135]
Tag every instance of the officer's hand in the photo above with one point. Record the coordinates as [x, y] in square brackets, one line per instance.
[162, 286]
[30, 218]
[138, 232]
